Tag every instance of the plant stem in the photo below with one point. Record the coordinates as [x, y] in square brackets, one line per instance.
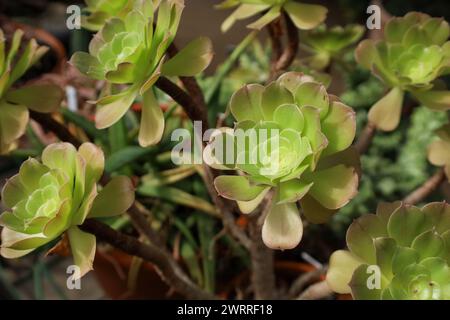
[169, 269]
[426, 188]
[365, 138]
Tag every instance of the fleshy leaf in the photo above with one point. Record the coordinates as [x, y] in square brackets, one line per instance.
[152, 121]
[342, 265]
[385, 114]
[191, 60]
[82, 245]
[237, 188]
[305, 16]
[114, 199]
[283, 227]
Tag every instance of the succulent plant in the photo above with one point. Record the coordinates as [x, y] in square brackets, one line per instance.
[304, 16]
[300, 149]
[326, 43]
[132, 50]
[53, 197]
[14, 103]
[412, 55]
[401, 253]
[439, 150]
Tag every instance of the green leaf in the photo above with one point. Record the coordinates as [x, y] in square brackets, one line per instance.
[267, 18]
[13, 192]
[340, 271]
[289, 116]
[339, 126]
[335, 186]
[385, 114]
[88, 65]
[274, 95]
[314, 211]
[313, 94]
[292, 190]
[242, 12]
[191, 60]
[245, 104]
[282, 228]
[13, 122]
[111, 112]
[434, 99]
[361, 237]
[114, 199]
[40, 98]
[82, 245]
[358, 284]
[95, 162]
[152, 121]
[237, 188]
[305, 16]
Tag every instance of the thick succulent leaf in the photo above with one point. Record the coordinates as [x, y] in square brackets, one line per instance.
[86, 205]
[406, 223]
[361, 236]
[95, 162]
[13, 121]
[292, 190]
[237, 188]
[429, 244]
[245, 104]
[305, 16]
[152, 121]
[191, 60]
[267, 18]
[439, 214]
[289, 116]
[82, 245]
[349, 157]
[13, 254]
[125, 73]
[114, 199]
[60, 156]
[366, 53]
[385, 210]
[385, 249]
[433, 99]
[314, 211]
[282, 228]
[242, 12]
[341, 267]
[22, 241]
[88, 65]
[359, 285]
[313, 94]
[274, 95]
[248, 206]
[30, 173]
[108, 114]
[339, 126]
[60, 222]
[403, 257]
[13, 192]
[385, 114]
[41, 98]
[313, 132]
[335, 186]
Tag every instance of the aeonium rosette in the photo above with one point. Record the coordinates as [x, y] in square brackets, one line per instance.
[50, 198]
[413, 54]
[401, 253]
[293, 138]
[100, 11]
[131, 50]
[305, 16]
